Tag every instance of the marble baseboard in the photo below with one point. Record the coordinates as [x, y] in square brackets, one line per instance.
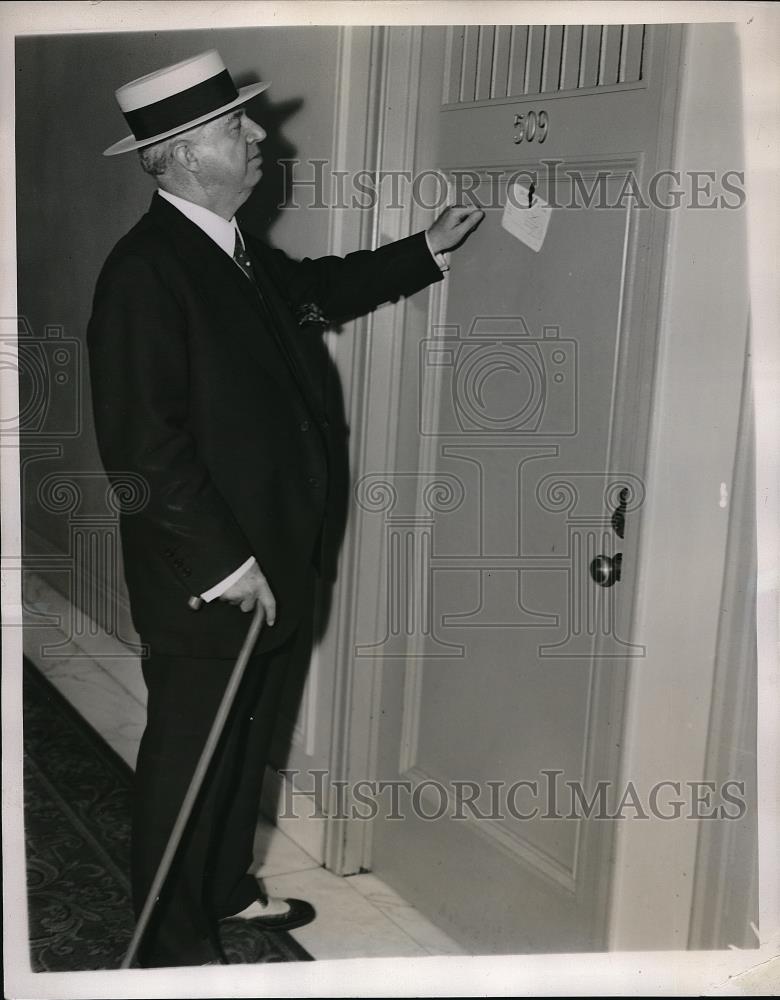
[358, 916]
[410, 920]
[106, 690]
[52, 630]
[276, 854]
[347, 925]
[305, 828]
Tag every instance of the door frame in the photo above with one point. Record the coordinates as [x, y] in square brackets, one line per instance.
[375, 129]
[398, 131]
[661, 905]
[374, 359]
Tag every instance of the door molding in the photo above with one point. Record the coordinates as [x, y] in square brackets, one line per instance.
[390, 129]
[702, 338]
[335, 694]
[725, 902]
[636, 322]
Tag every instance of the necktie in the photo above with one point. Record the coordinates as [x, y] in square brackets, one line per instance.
[241, 257]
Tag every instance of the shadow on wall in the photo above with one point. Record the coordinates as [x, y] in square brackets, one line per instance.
[265, 203]
[258, 214]
[73, 205]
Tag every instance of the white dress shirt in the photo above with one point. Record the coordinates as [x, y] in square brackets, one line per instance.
[223, 232]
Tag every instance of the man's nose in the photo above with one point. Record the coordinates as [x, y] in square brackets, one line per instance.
[254, 133]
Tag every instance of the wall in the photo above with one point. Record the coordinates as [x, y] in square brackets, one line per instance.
[726, 882]
[73, 204]
[688, 521]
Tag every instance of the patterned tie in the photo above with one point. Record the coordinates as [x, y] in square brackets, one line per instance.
[241, 257]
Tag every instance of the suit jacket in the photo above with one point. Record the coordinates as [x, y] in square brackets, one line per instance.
[200, 387]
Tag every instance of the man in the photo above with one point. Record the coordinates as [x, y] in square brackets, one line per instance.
[200, 387]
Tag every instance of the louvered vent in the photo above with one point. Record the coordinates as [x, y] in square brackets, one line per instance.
[490, 62]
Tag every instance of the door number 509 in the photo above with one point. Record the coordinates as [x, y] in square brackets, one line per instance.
[530, 127]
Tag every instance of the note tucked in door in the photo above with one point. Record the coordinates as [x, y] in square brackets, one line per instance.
[527, 222]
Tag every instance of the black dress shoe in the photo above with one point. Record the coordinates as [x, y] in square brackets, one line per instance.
[298, 914]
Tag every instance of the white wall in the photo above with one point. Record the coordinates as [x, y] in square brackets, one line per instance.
[697, 396]
[73, 205]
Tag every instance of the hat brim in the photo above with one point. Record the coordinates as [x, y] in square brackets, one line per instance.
[129, 143]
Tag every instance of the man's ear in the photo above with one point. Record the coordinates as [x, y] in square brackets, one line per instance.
[185, 156]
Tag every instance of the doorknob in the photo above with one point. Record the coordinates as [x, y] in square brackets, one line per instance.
[605, 570]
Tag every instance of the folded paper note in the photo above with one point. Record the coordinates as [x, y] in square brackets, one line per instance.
[526, 216]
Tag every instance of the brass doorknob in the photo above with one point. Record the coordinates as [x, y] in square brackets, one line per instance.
[605, 570]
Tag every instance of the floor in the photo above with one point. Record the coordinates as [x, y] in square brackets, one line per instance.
[358, 916]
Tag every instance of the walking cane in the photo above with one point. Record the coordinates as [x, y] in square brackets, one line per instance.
[197, 779]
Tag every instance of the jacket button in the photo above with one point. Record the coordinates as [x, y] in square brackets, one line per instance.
[313, 481]
[305, 425]
[325, 424]
[187, 572]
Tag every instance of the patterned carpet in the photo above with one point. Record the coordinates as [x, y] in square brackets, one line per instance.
[77, 834]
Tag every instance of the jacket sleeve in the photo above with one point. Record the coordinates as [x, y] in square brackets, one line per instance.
[139, 375]
[343, 287]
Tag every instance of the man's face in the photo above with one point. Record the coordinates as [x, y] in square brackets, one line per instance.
[228, 152]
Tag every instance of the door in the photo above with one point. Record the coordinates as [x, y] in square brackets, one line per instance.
[510, 550]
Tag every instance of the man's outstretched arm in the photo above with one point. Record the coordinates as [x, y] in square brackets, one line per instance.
[350, 286]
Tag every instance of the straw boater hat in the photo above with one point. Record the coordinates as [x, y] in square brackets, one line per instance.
[176, 98]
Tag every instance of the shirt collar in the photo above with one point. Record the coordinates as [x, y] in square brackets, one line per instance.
[221, 231]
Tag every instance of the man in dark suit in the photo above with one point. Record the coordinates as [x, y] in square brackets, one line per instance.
[200, 387]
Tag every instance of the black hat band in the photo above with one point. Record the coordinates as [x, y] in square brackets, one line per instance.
[186, 106]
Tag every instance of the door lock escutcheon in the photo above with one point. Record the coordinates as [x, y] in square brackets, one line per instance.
[619, 514]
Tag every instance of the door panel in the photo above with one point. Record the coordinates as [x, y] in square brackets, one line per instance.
[531, 494]
[504, 660]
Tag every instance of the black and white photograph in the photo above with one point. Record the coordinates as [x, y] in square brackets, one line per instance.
[390, 407]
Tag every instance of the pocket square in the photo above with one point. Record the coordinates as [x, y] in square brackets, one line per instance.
[310, 314]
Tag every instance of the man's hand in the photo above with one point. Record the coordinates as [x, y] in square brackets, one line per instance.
[453, 226]
[248, 590]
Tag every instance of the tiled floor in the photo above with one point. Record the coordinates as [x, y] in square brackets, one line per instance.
[357, 917]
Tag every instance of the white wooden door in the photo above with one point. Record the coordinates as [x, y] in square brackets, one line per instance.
[503, 658]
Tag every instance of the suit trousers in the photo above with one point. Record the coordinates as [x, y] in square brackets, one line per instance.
[209, 878]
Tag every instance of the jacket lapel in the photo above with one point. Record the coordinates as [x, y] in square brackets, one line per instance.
[212, 268]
